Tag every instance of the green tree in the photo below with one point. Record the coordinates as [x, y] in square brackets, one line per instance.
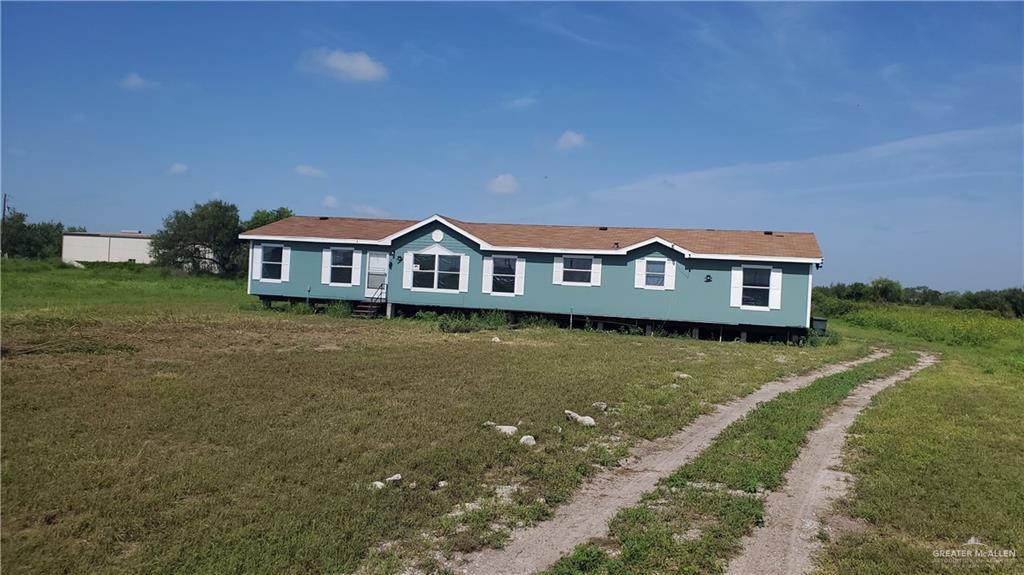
[264, 217]
[205, 238]
[887, 290]
[19, 238]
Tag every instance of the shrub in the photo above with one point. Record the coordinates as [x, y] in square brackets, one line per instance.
[459, 323]
[338, 309]
[428, 316]
[537, 321]
[954, 327]
[300, 308]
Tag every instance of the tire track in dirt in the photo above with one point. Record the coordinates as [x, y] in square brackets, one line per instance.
[586, 516]
[788, 541]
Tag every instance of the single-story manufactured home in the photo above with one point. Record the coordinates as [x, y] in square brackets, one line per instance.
[702, 278]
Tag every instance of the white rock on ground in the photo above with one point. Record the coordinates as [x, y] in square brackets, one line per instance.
[377, 485]
[682, 375]
[527, 440]
[394, 478]
[442, 484]
[489, 424]
[600, 405]
[495, 339]
[507, 429]
[584, 420]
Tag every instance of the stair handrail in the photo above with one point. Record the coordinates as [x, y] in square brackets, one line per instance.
[379, 294]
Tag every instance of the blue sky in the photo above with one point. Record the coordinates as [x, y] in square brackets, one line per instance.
[893, 131]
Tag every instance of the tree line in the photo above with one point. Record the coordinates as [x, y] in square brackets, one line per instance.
[1007, 302]
[204, 238]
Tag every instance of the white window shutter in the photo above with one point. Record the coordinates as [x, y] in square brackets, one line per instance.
[736, 293]
[286, 262]
[775, 289]
[670, 274]
[639, 273]
[520, 276]
[556, 271]
[256, 255]
[407, 270]
[357, 267]
[486, 285]
[325, 266]
[464, 273]
[595, 272]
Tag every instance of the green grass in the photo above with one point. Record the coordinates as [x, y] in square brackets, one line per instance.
[163, 424]
[756, 452]
[680, 528]
[934, 324]
[937, 461]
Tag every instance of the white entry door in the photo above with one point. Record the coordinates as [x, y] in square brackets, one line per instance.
[376, 275]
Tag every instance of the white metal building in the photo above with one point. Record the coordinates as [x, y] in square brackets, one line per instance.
[123, 246]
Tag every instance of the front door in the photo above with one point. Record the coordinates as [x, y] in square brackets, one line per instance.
[376, 275]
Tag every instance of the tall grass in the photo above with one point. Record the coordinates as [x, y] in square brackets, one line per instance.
[953, 327]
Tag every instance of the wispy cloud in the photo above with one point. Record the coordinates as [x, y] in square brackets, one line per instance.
[503, 185]
[134, 82]
[310, 171]
[368, 210]
[344, 66]
[570, 139]
[329, 202]
[986, 152]
[520, 102]
[176, 169]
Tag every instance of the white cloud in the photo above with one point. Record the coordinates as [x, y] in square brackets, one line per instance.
[329, 202]
[569, 140]
[135, 83]
[520, 103]
[503, 185]
[177, 168]
[310, 171]
[341, 65]
[367, 210]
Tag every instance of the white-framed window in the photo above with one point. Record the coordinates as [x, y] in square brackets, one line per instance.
[504, 275]
[655, 273]
[340, 267]
[273, 261]
[270, 262]
[436, 272]
[756, 288]
[576, 271]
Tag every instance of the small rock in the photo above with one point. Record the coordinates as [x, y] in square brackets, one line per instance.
[507, 429]
[412, 485]
[527, 440]
[558, 428]
[489, 424]
[495, 339]
[600, 405]
[394, 478]
[584, 420]
[442, 484]
[682, 375]
[673, 386]
[377, 485]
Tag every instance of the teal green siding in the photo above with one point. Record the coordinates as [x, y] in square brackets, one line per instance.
[692, 300]
[304, 276]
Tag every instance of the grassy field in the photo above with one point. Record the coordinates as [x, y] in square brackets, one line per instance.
[156, 423]
[685, 526]
[938, 459]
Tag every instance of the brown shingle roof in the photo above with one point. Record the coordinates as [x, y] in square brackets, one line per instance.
[721, 242]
